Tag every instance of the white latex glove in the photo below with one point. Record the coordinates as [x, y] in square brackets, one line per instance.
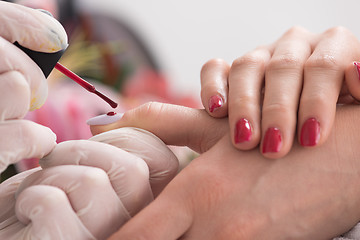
[22, 83]
[93, 200]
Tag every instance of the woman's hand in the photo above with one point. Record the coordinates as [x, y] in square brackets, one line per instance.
[311, 193]
[291, 86]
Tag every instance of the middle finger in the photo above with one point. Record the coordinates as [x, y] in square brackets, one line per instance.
[283, 84]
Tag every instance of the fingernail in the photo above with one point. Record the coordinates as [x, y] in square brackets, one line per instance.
[242, 131]
[46, 12]
[215, 102]
[357, 65]
[104, 119]
[272, 141]
[310, 133]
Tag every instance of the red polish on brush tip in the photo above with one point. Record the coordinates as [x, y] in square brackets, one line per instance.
[88, 86]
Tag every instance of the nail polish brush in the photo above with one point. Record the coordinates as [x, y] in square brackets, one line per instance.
[48, 61]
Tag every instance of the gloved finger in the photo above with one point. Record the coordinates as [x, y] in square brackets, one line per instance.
[13, 59]
[29, 140]
[7, 196]
[46, 212]
[15, 95]
[128, 174]
[163, 164]
[31, 28]
[175, 125]
[89, 192]
[34, 30]
[214, 87]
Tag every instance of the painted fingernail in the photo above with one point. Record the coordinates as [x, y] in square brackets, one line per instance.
[272, 141]
[242, 131]
[104, 119]
[357, 65]
[215, 102]
[310, 133]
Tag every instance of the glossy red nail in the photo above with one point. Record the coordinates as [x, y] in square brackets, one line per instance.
[310, 133]
[272, 141]
[357, 65]
[242, 131]
[215, 102]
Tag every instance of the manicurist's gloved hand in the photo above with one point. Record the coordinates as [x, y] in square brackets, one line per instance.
[87, 189]
[23, 86]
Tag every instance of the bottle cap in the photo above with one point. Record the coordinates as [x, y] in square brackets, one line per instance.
[46, 61]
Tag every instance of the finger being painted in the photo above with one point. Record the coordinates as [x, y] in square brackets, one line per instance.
[173, 124]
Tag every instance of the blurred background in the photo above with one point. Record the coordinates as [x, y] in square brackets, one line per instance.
[185, 34]
[138, 51]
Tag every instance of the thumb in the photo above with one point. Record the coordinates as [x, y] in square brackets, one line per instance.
[31, 28]
[174, 124]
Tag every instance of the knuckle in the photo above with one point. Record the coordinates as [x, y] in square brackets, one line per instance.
[140, 169]
[322, 61]
[285, 61]
[318, 97]
[49, 196]
[295, 30]
[145, 111]
[250, 59]
[93, 177]
[338, 31]
[244, 102]
[277, 107]
[214, 63]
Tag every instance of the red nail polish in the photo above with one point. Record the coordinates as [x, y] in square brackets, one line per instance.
[310, 133]
[272, 141]
[357, 68]
[242, 131]
[215, 102]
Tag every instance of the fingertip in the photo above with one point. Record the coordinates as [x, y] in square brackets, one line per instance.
[104, 122]
[214, 87]
[217, 106]
[309, 135]
[276, 143]
[244, 134]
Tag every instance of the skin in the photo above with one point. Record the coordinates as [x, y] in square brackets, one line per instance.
[243, 195]
[293, 73]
